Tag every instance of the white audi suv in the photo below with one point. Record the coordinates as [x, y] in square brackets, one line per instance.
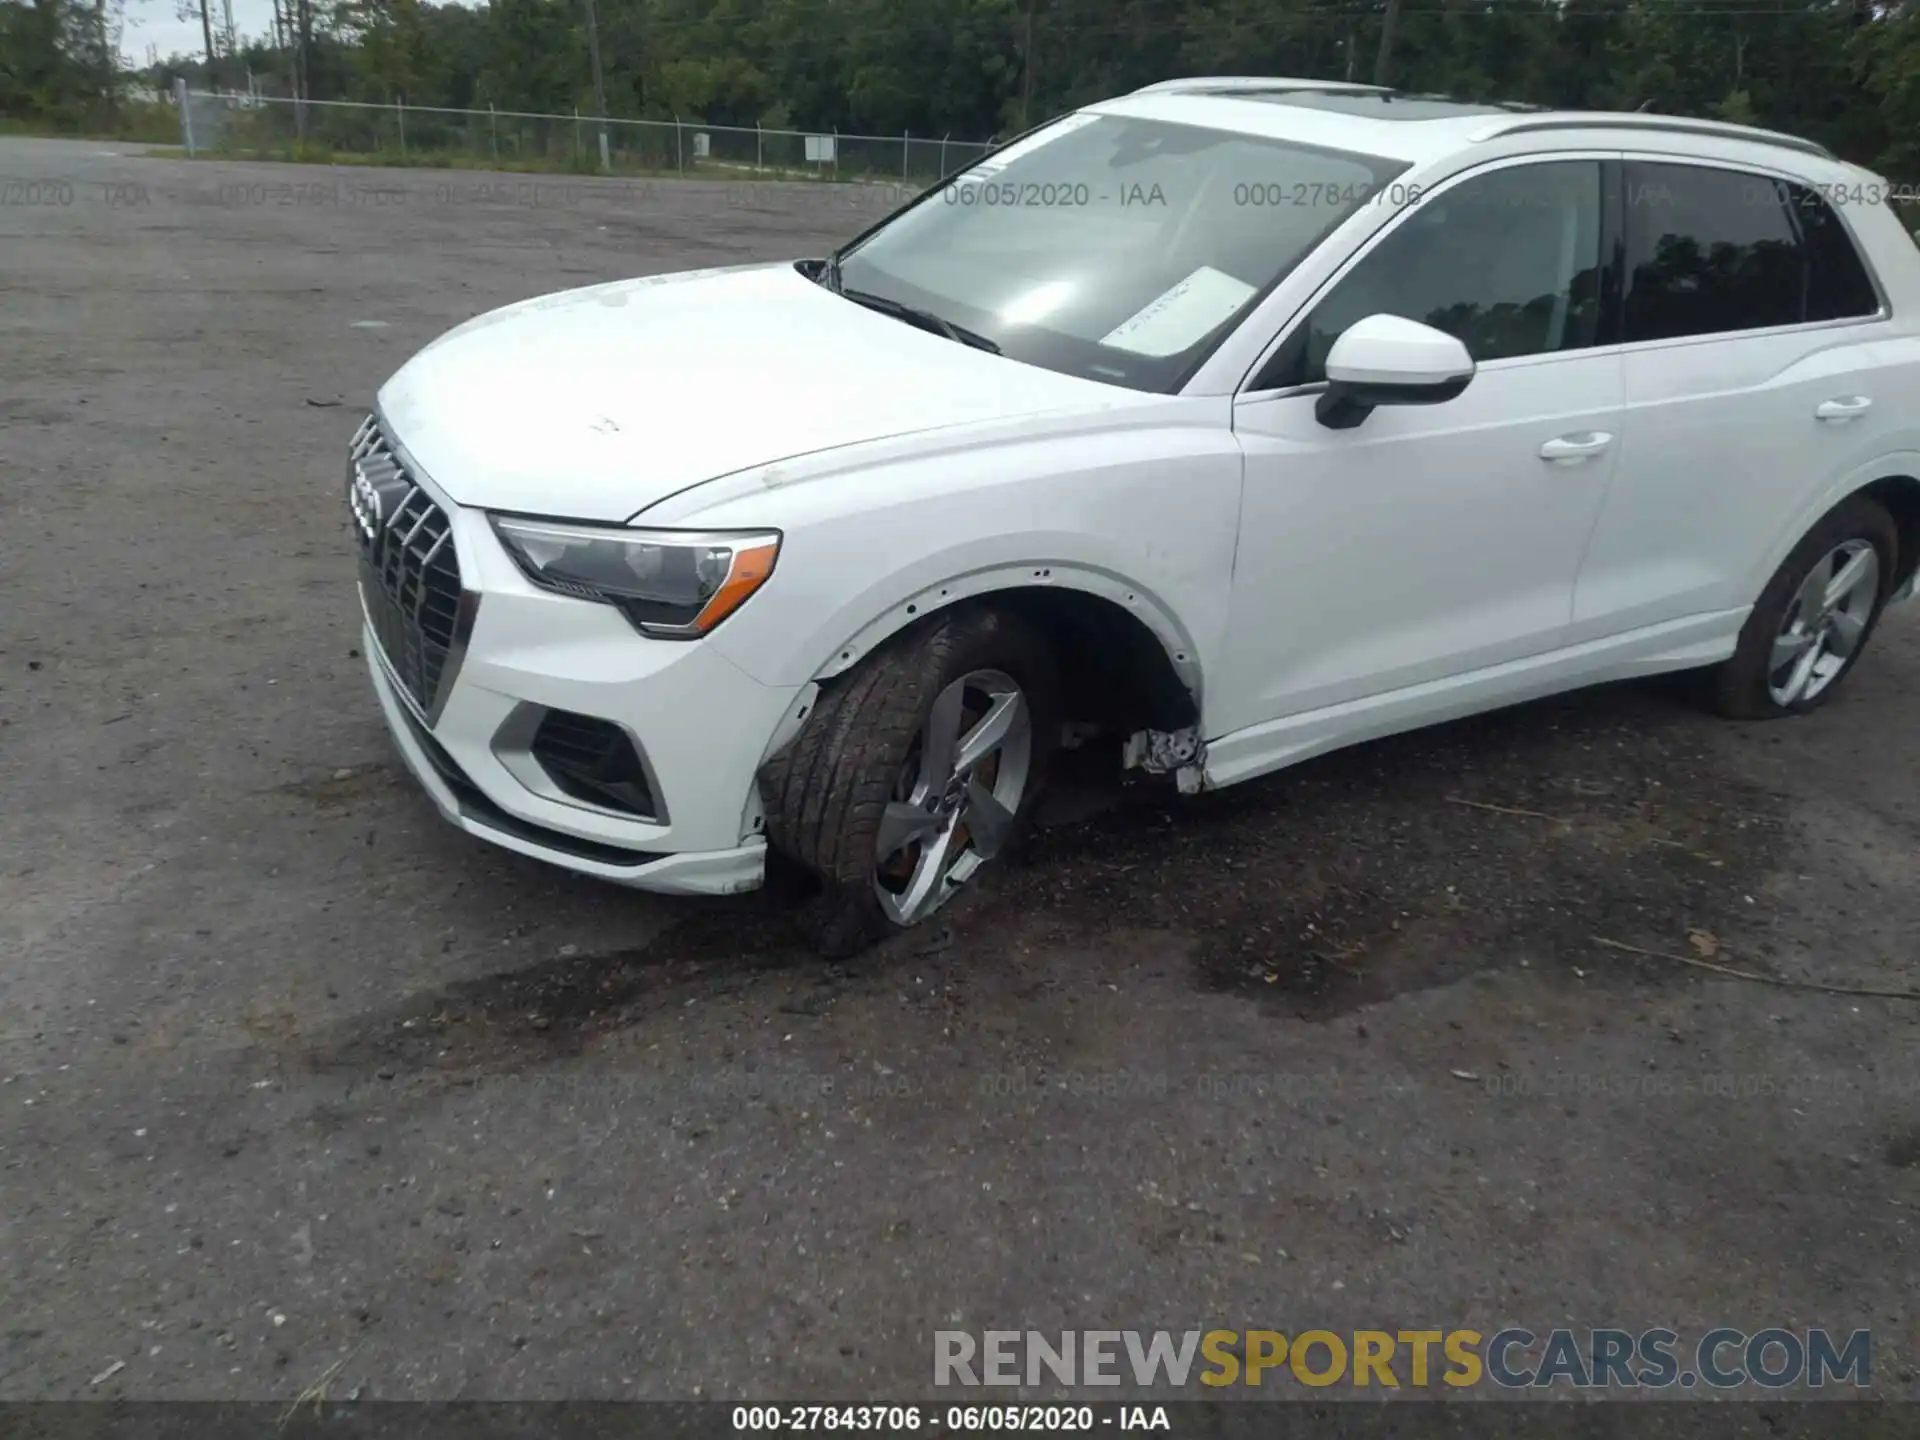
[1244, 418]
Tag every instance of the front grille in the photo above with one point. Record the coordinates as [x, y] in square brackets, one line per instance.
[409, 569]
[593, 760]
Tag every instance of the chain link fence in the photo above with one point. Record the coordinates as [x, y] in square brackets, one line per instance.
[263, 127]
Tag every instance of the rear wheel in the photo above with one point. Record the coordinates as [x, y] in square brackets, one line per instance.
[1814, 618]
[914, 771]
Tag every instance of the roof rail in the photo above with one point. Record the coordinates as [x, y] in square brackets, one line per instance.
[1640, 120]
[1226, 83]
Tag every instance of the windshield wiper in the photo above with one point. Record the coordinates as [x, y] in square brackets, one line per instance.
[925, 319]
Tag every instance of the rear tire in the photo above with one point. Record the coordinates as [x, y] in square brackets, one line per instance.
[916, 768]
[1813, 621]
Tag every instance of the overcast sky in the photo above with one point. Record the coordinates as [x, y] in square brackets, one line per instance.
[153, 22]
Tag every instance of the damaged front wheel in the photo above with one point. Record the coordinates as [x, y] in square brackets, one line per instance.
[915, 770]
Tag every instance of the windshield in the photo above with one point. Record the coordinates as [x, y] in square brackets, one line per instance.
[1119, 249]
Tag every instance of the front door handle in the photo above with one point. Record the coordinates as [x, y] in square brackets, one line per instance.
[1573, 449]
[1850, 408]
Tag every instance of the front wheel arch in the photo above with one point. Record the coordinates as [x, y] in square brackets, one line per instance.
[1126, 653]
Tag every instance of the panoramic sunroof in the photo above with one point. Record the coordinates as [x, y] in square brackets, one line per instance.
[1379, 107]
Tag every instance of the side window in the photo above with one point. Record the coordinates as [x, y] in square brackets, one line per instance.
[1838, 286]
[1507, 262]
[1709, 252]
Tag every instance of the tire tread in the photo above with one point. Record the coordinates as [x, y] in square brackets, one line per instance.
[1739, 685]
[825, 794]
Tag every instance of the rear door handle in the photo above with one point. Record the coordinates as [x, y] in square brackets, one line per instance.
[1850, 408]
[1572, 449]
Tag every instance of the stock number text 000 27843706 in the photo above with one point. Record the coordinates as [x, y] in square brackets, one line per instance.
[947, 1419]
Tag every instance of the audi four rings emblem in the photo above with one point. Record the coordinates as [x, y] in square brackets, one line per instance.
[365, 500]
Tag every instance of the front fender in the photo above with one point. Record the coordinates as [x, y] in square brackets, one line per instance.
[903, 609]
[1145, 516]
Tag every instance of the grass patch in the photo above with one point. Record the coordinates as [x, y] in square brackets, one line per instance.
[133, 125]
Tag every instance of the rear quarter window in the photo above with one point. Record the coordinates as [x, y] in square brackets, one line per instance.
[1838, 285]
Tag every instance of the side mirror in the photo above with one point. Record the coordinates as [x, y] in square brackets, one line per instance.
[1388, 360]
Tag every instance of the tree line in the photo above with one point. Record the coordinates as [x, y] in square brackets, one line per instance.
[1845, 72]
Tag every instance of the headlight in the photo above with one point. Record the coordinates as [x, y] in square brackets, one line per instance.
[675, 584]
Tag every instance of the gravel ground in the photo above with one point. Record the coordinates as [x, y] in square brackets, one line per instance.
[292, 1073]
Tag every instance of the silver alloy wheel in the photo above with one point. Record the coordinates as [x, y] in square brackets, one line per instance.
[1824, 623]
[958, 793]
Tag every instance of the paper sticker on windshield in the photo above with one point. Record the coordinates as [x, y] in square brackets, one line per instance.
[995, 163]
[1180, 317]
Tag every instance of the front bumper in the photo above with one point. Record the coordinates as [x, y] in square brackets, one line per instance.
[692, 872]
[701, 724]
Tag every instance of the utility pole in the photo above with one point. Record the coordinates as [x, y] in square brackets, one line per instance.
[206, 31]
[301, 19]
[1026, 73]
[110, 63]
[599, 85]
[1384, 60]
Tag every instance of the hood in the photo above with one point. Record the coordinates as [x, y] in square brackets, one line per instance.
[593, 404]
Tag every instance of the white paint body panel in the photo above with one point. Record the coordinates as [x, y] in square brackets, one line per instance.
[1144, 510]
[1430, 541]
[596, 403]
[1312, 587]
[1722, 454]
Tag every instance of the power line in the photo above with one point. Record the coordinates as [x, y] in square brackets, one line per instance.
[1343, 12]
[1630, 12]
[1554, 11]
[1319, 17]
